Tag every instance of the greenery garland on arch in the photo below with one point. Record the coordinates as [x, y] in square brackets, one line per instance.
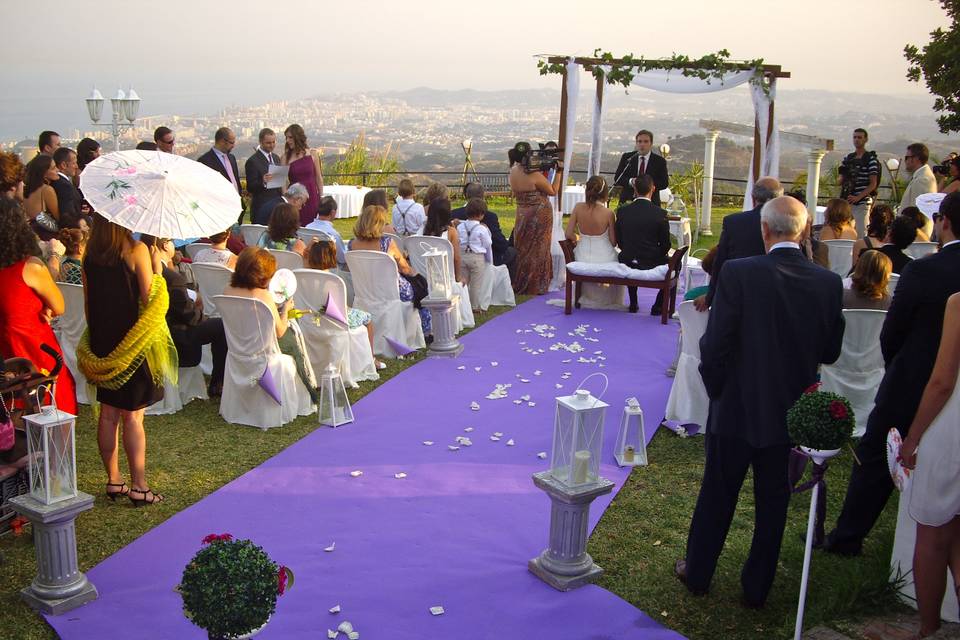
[712, 66]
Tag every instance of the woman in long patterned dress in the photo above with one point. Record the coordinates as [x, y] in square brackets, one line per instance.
[304, 164]
[534, 227]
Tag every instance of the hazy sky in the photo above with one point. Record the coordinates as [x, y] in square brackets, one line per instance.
[244, 51]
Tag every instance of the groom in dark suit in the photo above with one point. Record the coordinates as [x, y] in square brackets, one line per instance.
[641, 162]
[643, 235]
[775, 318]
[257, 168]
[909, 340]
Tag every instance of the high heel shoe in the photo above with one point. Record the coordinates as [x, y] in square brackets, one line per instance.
[113, 495]
[149, 497]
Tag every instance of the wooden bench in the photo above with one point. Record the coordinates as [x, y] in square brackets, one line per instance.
[668, 285]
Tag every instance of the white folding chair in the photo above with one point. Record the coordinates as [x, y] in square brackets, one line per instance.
[252, 349]
[307, 235]
[376, 292]
[917, 250]
[400, 241]
[857, 373]
[892, 283]
[287, 259]
[194, 248]
[840, 254]
[419, 245]
[190, 386]
[212, 279]
[497, 288]
[329, 341]
[68, 328]
[688, 402]
[251, 233]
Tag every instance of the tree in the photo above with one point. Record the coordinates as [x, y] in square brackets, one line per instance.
[939, 64]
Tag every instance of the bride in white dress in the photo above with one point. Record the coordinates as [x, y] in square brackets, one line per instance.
[595, 223]
[932, 449]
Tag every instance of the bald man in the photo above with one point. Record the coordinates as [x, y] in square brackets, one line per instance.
[775, 318]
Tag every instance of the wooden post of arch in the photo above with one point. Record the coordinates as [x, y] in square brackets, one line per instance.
[562, 135]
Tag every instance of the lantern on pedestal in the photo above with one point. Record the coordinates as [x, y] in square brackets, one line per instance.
[52, 454]
[631, 448]
[578, 439]
[335, 407]
[439, 283]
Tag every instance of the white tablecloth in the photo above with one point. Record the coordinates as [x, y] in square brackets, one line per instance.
[680, 229]
[349, 198]
[571, 196]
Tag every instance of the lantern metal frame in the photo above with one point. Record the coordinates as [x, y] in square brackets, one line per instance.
[578, 437]
[439, 278]
[631, 448]
[331, 387]
[51, 449]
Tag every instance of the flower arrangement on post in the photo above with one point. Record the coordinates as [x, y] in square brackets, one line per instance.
[230, 587]
[820, 420]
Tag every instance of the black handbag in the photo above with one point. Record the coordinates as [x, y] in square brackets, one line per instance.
[420, 289]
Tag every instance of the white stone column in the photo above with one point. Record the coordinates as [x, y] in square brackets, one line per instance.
[813, 181]
[445, 341]
[709, 151]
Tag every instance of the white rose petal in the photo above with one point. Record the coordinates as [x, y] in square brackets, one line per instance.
[335, 609]
[356, 474]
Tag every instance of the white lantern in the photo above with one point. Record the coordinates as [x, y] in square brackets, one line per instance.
[893, 164]
[577, 439]
[438, 275]
[631, 448]
[95, 105]
[52, 454]
[335, 407]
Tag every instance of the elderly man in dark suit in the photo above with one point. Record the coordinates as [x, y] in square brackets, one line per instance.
[641, 162]
[909, 340]
[643, 235]
[740, 235]
[257, 169]
[775, 318]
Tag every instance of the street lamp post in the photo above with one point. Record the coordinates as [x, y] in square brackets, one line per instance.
[893, 167]
[124, 106]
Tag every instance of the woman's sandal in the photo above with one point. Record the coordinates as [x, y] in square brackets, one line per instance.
[113, 495]
[149, 497]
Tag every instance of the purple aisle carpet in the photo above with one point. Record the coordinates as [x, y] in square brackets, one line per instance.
[456, 532]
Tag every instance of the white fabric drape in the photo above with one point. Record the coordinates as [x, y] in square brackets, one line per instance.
[573, 92]
[675, 82]
[770, 148]
[596, 138]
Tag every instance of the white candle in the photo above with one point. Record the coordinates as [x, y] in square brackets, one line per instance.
[581, 463]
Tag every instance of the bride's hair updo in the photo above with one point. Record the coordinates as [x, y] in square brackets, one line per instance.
[597, 189]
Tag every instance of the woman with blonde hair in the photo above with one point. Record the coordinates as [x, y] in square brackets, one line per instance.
[838, 221]
[868, 289]
[305, 168]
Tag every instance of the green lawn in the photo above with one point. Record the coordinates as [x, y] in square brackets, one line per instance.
[194, 452]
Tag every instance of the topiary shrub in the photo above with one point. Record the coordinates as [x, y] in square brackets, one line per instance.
[820, 420]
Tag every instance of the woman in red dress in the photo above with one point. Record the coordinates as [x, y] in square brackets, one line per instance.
[30, 300]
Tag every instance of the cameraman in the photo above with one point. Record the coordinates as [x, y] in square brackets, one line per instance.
[859, 178]
[534, 226]
[948, 174]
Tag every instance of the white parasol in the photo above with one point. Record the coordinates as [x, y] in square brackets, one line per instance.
[929, 203]
[161, 194]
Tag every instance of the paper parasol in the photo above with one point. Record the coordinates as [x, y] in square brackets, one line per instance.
[283, 285]
[929, 203]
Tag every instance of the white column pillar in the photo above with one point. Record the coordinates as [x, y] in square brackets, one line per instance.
[709, 151]
[813, 181]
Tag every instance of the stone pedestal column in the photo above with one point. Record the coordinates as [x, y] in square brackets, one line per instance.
[444, 343]
[59, 585]
[565, 564]
[709, 151]
[813, 181]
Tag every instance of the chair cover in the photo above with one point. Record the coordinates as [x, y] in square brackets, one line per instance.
[376, 292]
[287, 259]
[195, 247]
[329, 341]
[252, 348]
[688, 402]
[497, 288]
[400, 241]
[857, 373]
[348, 281]
[190, 386]
[840, 254]
[307, 235]
[251, 233]
[212, 279]
[892, 283]
[556, 253]
[918, 250]
[68, 328]
[417, 246]
[693, 274]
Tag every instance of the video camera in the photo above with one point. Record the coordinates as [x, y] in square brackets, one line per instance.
[943, 169]
[544, 158]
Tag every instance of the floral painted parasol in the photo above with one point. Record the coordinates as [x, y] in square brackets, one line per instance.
[162, 194]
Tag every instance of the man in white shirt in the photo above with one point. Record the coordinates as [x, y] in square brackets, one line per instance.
[326, 212]
[476, 249]
[922, 179]
[408, 214]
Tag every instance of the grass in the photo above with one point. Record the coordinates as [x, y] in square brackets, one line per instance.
[193, 453]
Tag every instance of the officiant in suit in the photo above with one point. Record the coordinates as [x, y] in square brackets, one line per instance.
[220, 159]
[775, 319]
[641, 162]
[643, 235]
[257, 168]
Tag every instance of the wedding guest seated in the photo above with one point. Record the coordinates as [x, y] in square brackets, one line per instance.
[440, 224]
[11, 176]
[145, 145]
[881, 215]
[217, 252]
[281, 232]
[75, 244]
[868, 289]
[900, 234]
[378, 197]
[643, 234]
[408, 214]
[838, 221]
[326, 213]
[368, 235]
[434, 191]
[707, 265]
[322, 255]
[251, 279]
[476, 247]
[189, 328]
[296, 195]
[503, 253]
[811, 248]
[920, 220]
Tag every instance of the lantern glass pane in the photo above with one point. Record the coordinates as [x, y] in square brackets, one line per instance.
[438, 276]
[631, 445]
[335, 407]
[577, 440]
[50, 447]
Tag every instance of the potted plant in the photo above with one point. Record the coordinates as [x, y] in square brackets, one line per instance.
[820, 423]
[230, 587]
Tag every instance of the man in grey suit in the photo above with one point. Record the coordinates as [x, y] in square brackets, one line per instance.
[257, 170]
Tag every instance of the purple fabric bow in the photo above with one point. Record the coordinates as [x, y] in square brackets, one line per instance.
[795, 469]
